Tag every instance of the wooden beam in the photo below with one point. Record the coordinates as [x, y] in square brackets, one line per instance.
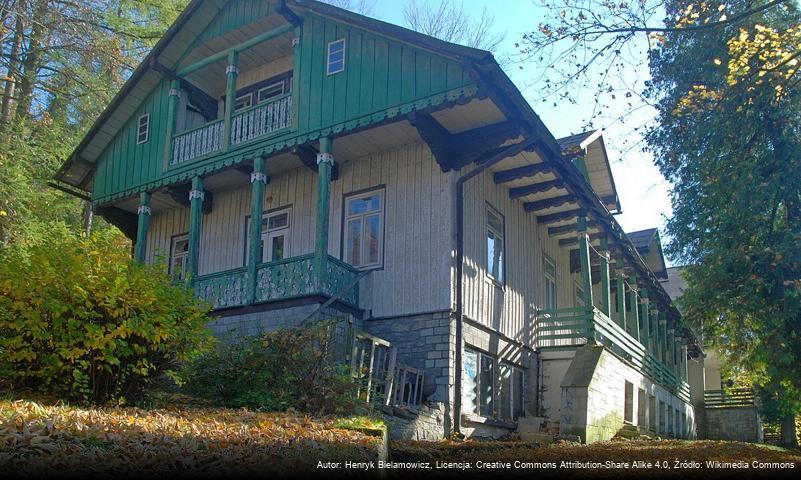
[122, 219]
[180, 194]
[548, 203]
[518, 192]
[568, 242]
[562, 229]
[558, 217]
[436, 136]
[521, 172]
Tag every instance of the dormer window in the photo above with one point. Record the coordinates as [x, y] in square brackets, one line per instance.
[143, 129]
[336, 57]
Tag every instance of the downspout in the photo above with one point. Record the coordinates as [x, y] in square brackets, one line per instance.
[503, 154]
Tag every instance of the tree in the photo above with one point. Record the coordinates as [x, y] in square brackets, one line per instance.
[736, 186]
[452, 23]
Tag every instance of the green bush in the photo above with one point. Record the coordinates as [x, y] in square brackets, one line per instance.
[81, 320]
[288, 368]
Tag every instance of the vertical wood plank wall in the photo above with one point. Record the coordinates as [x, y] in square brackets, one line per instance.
[418, 256]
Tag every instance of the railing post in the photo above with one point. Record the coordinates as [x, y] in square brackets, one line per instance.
[634, 307]
[325, 163]
[143, 211]
[231, 71]
[172, 113]
[605, 293]
[258, 180]
[646, 334]
[621, 294]
[196, 196]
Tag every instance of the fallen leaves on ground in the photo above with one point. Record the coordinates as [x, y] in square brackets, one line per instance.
[37, 440]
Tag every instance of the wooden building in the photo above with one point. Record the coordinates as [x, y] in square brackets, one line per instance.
[292, 160]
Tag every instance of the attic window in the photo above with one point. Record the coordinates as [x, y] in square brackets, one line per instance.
[142, 129]
[336, 57]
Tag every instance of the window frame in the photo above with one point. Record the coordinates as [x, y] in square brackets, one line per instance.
[514, 395]
[139, 125]
[578, 294]
[502, 234]
[172, 256]
[328, 52]
[264, 217]
[282, 83]
[248, 95]
[381, 191]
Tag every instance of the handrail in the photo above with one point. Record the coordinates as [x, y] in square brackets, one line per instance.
[255, 106]
[199, 127]
[337, 296]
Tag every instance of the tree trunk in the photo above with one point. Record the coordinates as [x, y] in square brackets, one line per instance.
[88, 216]
[789, 439]
[33, 59]
[12, 74]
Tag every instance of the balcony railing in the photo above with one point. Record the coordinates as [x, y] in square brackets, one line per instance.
[572, 327]
[730, 398]
[290, 278]
[264, 119]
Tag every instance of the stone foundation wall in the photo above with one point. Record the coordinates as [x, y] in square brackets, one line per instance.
[256, 323]
[593, 400]
[741, 424]
[428, 424]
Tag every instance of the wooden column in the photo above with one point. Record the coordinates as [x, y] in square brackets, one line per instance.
[140, 249]
[633, 306]
[258, 180]
[663, 339]
[325, 163]
[653, 326]
[606, 299]
[584, 255]
[231, 71]
[195, 216]
[645, 338]
[172, 113]
[621, 294]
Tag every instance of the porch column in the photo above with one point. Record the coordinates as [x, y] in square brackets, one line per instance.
[621, 294]
[231, 71]
[196, 196]
[584, 255]
[140, 249]
[646, 333]
[172, 112]
[633, 306]
[662, 338]
[325, 162]
[653, 325]
[258, 180]
[605, 293]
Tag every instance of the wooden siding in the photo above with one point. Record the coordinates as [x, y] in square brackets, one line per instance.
[382, 78]
[233, 15]
[416, 276]
[509, 309]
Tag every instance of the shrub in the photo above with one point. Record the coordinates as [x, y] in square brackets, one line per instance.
[80, 319]
[289, 368]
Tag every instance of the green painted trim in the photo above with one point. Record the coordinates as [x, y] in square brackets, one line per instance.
[606, 294]
[140, 248]
[230, 97]
[584, 253]
[324, 168]
[634, 307]
[270, 145]
[621, 299]
[256, 208]
[195, 218]
[172, 112]
[235, 49]
[644, 312]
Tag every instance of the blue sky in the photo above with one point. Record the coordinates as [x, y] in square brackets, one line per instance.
[642, 189]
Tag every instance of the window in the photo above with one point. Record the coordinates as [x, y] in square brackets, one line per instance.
[578, 292]
[143, 129]
[269, 92]
[336, 57]
[363, 242]
[274, 236]
[549, 284]
[495, 257]
[479, 383]
[179, 254]
[243, 101]
[510, 395]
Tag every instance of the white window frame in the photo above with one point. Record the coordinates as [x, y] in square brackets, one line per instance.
[143, 122]
[281, 84]
[500, 238]
[174, 256]
[547, 279]
[347, 218]
[328, 62]
[479, 406]
[249, 96]
[514, 371]
[578, 294]
[267, 234]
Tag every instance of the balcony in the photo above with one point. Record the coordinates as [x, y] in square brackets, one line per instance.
[572, 327]
[260, 121]
[282, 280]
